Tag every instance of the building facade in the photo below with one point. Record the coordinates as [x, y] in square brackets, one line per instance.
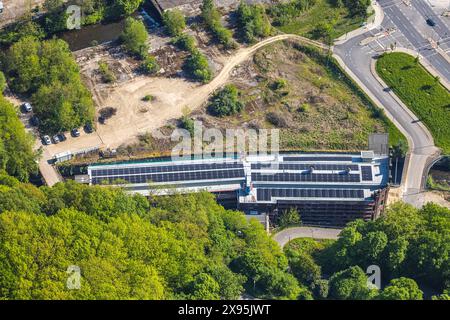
[326, 189]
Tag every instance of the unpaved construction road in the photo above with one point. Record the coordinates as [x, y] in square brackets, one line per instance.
[172, 96]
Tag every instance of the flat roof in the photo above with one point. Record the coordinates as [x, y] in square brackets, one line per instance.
[261, 178]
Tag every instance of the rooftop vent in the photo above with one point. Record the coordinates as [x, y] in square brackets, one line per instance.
[367, 156]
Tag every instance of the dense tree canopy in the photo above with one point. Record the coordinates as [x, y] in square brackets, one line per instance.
[47, 70]
[410, 246]
[407, 242]
[252, 22]
[183, 246]
[16, 146]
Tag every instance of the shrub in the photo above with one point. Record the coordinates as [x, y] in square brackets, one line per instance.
[174, 21]
[197, 67]
[188, 124]
[289, 217]
[150, 65]
[185, 42]
[107, 74]
[148, 97]
[277, 119]
[225, 102]
[211, 17]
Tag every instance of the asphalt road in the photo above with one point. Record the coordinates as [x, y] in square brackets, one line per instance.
[358, 59]
[286, 235]
[410, 22]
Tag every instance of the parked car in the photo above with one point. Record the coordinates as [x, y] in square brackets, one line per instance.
[34, 121]
[46, 139]
[56, 139]
[27, 107]
[88, 128]
[431, 22]
[62, 137]
[75, 133]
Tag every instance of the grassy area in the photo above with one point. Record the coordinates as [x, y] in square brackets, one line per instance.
[434, 185]
[421, 92]
[322, 12]
[305, 94]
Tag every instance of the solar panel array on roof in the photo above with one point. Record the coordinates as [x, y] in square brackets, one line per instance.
[98, 172]
[174, 176]
[366, 173]
[266, 194]
[304, 177]
[304, 166]
[318, 158]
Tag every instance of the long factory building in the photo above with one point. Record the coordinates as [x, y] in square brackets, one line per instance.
[327, 189]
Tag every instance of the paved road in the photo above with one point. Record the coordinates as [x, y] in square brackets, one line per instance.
[414, 33]
[286, 235]
[358, 60]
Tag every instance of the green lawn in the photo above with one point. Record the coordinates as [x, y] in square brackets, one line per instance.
[323, 11]
[421, 92]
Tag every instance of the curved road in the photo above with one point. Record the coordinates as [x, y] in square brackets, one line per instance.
[286, 235]
[359, 63]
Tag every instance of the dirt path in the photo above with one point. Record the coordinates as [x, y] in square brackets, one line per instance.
[135, 117]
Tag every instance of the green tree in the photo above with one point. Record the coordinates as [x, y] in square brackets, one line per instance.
[134, 37]
[401, 289]
[174, 21]
[289, 217]
[211, 18]
[225, 102]
[3, 83]
[197, 67]
[125, 7]
[350, 284]
[252, 22]
[17, 157]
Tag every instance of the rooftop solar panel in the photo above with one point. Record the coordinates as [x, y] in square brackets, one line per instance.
[304, 177]
[266, 194]
[165, 168]
[174, 176]
[366, 173]
[318, 158]
[303, 166]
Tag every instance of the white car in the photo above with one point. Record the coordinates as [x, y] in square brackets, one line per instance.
[27, 107]
[46, 139]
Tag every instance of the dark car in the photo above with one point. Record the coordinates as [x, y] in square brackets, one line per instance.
[88, 128]
[34, 121]
[75, 133]
[62, 137]
[431, 22]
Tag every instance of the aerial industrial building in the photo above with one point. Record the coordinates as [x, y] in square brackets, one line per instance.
[326, 189]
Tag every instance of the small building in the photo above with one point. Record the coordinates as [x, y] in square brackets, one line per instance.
[327, 190]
